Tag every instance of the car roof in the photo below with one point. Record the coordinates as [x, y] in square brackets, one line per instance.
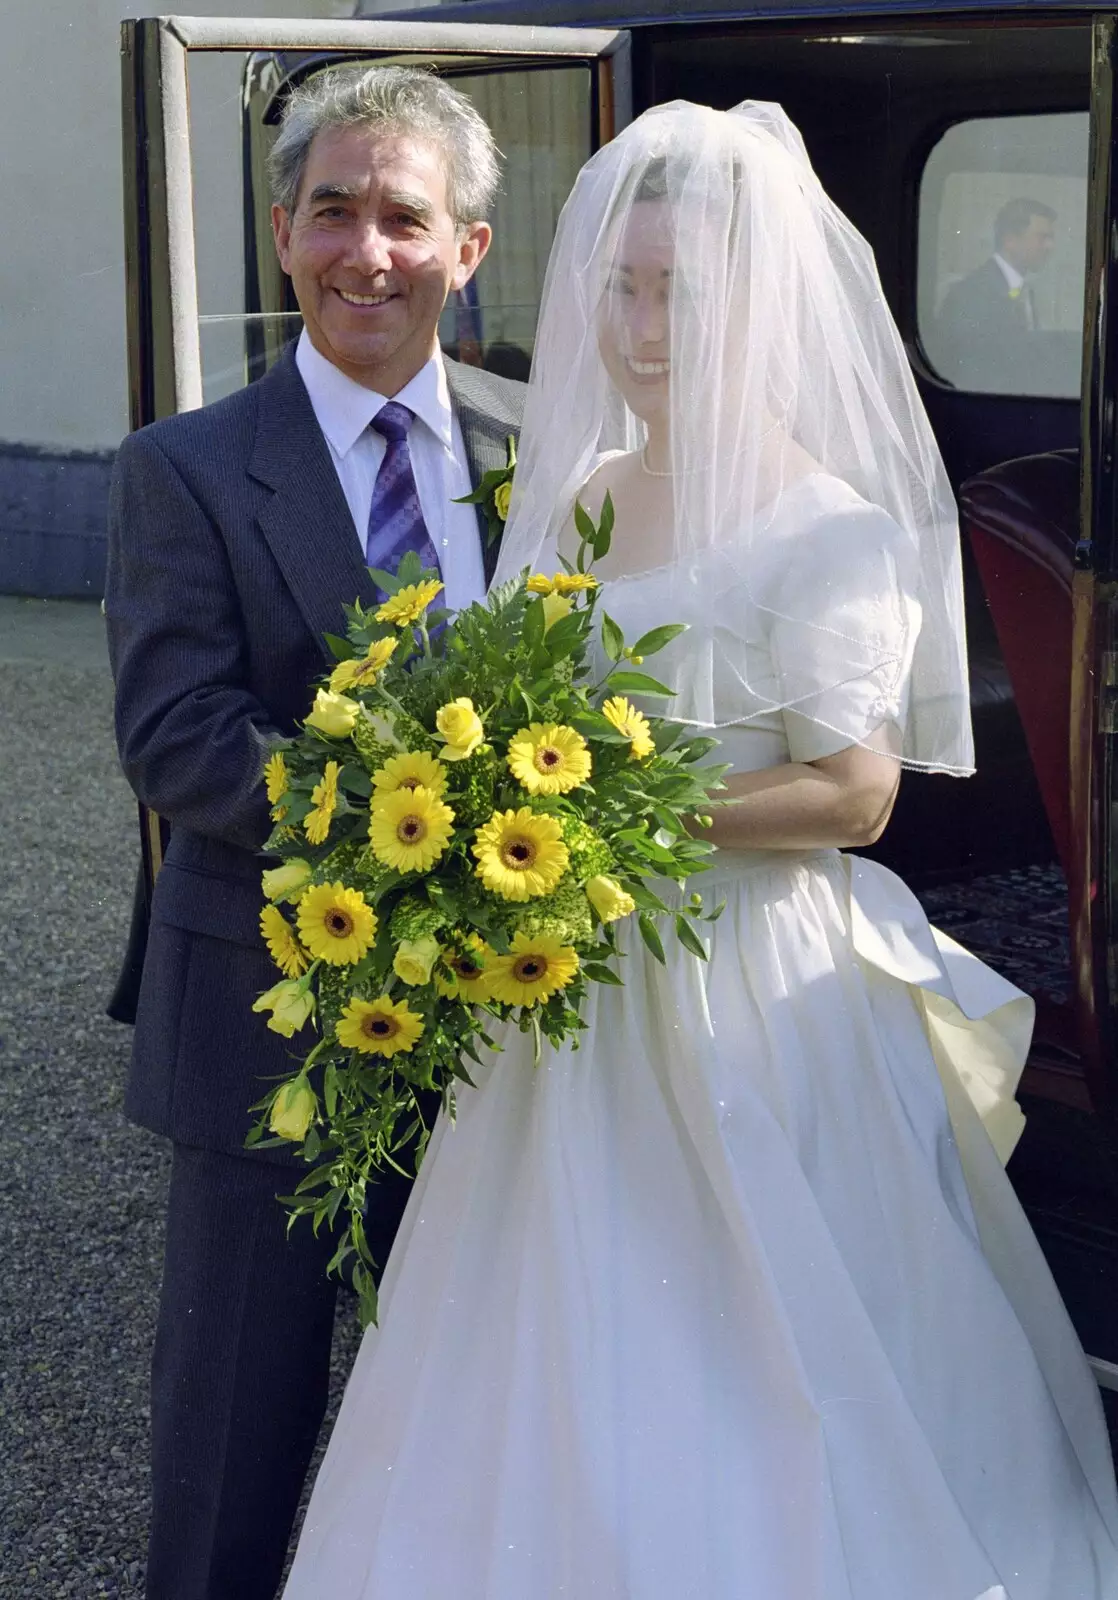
[643, 13]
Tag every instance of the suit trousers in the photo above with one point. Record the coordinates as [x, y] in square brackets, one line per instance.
[240, 1372]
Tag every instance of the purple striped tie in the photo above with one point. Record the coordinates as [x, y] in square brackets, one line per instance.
[396, 522]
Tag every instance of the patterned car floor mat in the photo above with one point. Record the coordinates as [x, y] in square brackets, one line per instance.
[1017, 922]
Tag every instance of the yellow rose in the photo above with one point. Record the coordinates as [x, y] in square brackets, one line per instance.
[554, 607]
[502, 494]
[286, 882]
[414, 959]
[291, 1005]
[294, 1109]
[609, 899]
[333, 714]
[461, 727]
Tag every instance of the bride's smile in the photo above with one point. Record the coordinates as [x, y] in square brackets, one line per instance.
[634, 327]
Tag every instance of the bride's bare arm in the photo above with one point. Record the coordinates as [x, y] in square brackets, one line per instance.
[838, 801]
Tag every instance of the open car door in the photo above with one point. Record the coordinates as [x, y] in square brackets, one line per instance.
[198, 325]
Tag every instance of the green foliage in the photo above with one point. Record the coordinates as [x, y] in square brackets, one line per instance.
[629, 820]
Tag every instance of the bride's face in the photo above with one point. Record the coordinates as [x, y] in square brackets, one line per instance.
[634, 336]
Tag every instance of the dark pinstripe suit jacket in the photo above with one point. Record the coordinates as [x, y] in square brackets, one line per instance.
[231, 552]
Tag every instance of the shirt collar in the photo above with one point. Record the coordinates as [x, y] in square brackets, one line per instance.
[1014, 278]
[344, 409]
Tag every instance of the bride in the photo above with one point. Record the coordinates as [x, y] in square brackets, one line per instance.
[735, 1302]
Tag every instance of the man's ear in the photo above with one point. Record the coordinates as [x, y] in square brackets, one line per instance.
[475, 240]
[281, 232]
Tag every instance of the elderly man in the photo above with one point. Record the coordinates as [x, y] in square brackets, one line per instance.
[237, 533]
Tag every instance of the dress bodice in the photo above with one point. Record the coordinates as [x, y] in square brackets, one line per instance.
[806, 653]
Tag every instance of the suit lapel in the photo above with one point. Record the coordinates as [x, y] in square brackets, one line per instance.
[486, 443]
[306, 522]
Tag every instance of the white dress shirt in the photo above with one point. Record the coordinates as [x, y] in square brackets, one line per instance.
[1018, 286]
[344, 410]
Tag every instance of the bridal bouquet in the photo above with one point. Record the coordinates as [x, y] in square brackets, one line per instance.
[464, 819]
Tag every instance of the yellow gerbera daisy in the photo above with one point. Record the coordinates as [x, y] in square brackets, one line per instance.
[560, 583]
[534, 969]
[409, 829]
[632, 723]
[379, 1027]
[336, 924]
[363, 670]
[548, 758]
[275, 777]
[415, 769]
[467, 972]
[324, 799]
[520, 854]
[408, 604]
[573, 582]
[283, 947]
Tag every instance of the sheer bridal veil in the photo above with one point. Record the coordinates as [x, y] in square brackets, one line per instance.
[812, 526]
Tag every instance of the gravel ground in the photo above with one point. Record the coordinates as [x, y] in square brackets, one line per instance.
[81, 1192]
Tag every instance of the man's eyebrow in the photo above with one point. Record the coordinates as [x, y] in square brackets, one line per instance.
[331, 191]
[418, 203]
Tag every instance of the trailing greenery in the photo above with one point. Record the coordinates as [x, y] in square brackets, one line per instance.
[472, 807]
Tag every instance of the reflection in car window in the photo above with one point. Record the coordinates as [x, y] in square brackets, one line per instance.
[541, 120]
[1003, 205]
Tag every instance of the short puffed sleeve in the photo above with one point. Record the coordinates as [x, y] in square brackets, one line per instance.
[843, 619]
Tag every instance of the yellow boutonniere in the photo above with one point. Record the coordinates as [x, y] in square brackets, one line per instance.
[494, 493]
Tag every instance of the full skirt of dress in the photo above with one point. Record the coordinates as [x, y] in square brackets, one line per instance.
[733, 1302]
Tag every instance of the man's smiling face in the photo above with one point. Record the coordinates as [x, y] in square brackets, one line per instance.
[373, 252]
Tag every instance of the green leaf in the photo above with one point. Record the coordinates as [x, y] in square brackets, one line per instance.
[385, 886]
[646, 900]
[533, 629]
[566, 635]
[605, 528]
[651, 937]
[637, 682]
[613, 640]
[339, 648]
[669, 821]
[696, 749]
[656, 638]
[330, 1089]
[665, 734]
[602, 974]
[410, 570]
[356, 780]
[312, 1144]
[595, 726]
[388, 581]
[584, 523]
[688, 938]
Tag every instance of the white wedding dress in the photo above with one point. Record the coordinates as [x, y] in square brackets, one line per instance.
[734, 1302]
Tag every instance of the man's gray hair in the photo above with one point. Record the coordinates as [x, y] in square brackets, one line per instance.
[400, 100]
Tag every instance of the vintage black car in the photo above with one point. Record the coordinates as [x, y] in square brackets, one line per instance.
[973, 146]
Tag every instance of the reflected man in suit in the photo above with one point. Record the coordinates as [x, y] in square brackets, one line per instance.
[238, 532]
[986, 326]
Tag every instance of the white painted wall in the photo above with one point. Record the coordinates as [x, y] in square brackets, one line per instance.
[62, 340]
